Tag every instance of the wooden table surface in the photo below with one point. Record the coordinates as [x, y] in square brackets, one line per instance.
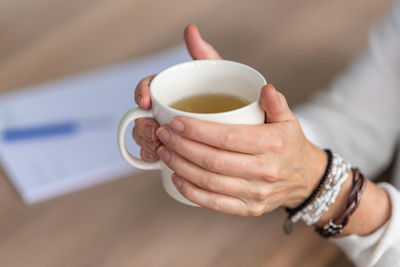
[298, 45]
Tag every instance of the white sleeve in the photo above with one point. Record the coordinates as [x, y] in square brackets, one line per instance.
[381, 248]
[359, 116]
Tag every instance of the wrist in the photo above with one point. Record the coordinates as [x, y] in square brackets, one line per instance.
[314, 207]
[315, 163]
[316, 167]
[351, 206]
[372, 213]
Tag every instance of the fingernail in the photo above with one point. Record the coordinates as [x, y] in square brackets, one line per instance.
[149, 131]
[163, 135]
[140, 101]
[177, 125]
[164, 154]
[177, 181]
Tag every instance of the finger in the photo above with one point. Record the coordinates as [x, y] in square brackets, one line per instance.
[211, 200]
[197, 47]
[148, 156]
[149, 146]
[146, 128]
[227, 185]
[275, 105]
[213, 159]
[142, 92]
[251, 139]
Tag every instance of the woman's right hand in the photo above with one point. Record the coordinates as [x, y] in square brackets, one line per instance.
[144, 132]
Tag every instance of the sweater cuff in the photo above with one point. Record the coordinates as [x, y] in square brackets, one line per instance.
[373, 249]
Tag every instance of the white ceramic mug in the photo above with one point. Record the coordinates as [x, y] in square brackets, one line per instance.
[191, 78]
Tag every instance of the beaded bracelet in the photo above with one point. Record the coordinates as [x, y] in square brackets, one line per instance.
[314, 211]
[311, 212]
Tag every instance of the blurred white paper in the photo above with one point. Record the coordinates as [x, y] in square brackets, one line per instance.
[41, 168]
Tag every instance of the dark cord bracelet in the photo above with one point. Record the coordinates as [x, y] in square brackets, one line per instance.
[288, 226]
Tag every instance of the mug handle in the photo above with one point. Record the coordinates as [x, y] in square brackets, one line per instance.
[130, 116]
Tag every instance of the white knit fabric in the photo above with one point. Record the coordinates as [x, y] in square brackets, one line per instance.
[381, 248]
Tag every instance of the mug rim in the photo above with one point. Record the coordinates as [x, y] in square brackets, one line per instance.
[204, 61]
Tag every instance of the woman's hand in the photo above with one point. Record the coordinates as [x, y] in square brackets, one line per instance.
[243, 169]
[145, 128]
[240, 169]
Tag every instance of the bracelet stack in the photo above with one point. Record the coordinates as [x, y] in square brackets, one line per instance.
[314, 207]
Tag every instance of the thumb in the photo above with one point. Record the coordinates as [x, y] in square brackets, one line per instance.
[197, 47]
[275, 105]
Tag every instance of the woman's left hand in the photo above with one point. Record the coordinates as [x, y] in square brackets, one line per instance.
[243, 169]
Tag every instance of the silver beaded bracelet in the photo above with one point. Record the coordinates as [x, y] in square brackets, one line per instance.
[311, 213]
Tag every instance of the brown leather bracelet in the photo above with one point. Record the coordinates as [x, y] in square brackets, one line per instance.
[335, 227]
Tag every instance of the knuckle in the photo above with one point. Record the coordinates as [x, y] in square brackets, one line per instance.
[255, 210]
[278, 145]
[267, 171]
[214, 162]
[212, 182]
[215, 203]
[260, 192]
[272, 174]
[229, 138]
